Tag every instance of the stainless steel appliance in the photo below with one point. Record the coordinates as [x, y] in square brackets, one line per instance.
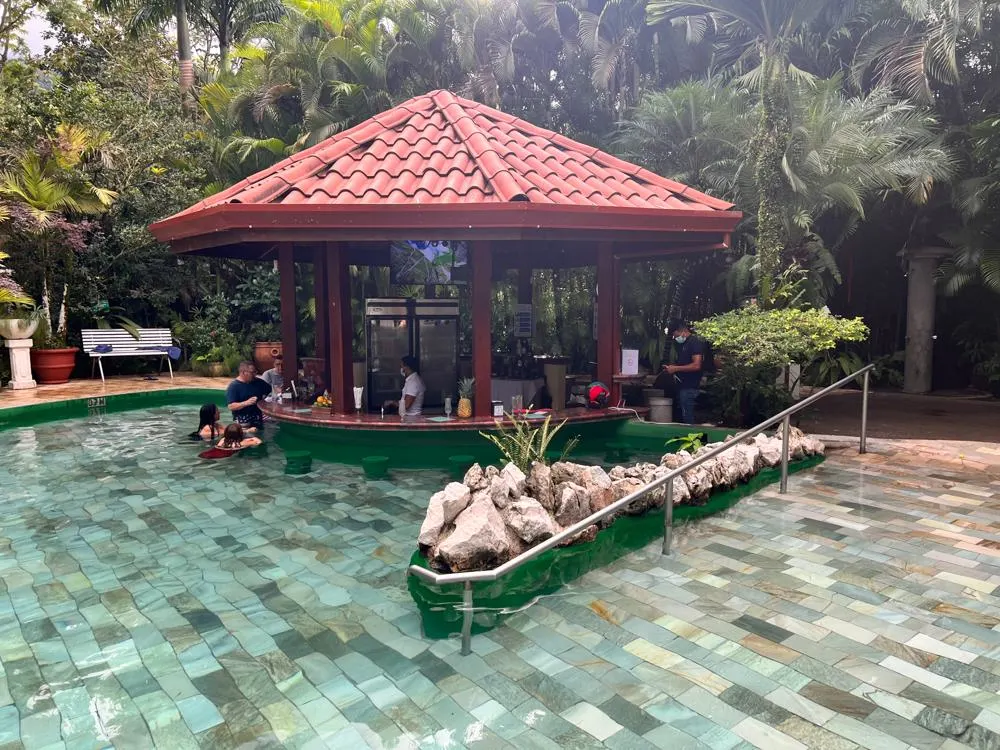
[425, 328]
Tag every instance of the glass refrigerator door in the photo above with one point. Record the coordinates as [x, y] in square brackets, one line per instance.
[389, 341]
[439, 359]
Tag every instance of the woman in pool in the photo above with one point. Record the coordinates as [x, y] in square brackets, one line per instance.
[233, 439]
[209, 426]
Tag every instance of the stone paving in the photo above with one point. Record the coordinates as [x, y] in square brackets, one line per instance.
[151, 599]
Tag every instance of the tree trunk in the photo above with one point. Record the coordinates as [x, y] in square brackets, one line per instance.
[61, 325]
[770, 142]
[184, 60]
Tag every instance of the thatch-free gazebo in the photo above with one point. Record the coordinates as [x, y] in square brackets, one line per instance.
[444, 168]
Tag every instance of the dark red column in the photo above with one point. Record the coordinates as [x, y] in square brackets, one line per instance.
[322, 300]
[482, 346]
[289, 316]
[608, 317]
[341, 331]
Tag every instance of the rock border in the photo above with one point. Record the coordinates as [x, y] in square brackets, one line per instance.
[493, 514]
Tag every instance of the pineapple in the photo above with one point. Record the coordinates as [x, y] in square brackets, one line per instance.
[465, 388]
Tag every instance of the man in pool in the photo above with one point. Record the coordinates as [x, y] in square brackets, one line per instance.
[411, 403]
[242, 396]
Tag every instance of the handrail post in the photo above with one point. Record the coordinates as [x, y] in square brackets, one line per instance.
[863, 448]
[785, 435]
[668, 517]
[467, 619]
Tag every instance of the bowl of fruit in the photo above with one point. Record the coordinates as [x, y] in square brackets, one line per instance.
[323, 401]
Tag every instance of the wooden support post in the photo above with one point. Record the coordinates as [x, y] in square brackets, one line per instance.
[341, 330]
[482, 314]
[322, 299]
[608, 318]
[289, 315]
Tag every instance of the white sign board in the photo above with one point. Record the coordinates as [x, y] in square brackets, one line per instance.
[630, 362]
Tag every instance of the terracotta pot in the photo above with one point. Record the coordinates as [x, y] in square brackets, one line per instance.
[53, 366]
[17, 328]
[216, 369]
[264, 353]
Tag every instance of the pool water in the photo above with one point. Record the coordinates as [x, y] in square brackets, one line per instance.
[152, 598]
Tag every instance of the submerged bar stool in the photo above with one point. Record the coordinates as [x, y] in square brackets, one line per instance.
[298, 462]
[376, 467]
[617, 451]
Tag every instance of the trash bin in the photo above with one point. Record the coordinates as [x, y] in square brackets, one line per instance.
[661, 409]
[648, 393]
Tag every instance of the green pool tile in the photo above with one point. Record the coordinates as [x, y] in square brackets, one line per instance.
[199, 713]
[10, 724]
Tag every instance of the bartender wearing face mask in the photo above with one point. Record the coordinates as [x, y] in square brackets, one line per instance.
[411, 402]
[687, 368]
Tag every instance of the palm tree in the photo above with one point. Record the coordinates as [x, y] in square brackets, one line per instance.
[48, 188]
[231, 22]
[910, 44]
[841, 154]
[767, 28]
[145, 14]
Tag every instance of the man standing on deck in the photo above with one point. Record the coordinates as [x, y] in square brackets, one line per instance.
[242, 396]
[687, 369]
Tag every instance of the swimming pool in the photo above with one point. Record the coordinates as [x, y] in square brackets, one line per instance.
[153, 598]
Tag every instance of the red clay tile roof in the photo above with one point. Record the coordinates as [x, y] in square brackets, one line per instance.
[442, 149]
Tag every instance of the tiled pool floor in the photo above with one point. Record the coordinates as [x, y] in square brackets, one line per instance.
[150, 599]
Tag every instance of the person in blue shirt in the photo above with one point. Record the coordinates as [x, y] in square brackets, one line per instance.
[243, 394]
[687, 368]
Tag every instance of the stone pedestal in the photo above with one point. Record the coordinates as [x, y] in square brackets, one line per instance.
[20, 364]
[920, 301]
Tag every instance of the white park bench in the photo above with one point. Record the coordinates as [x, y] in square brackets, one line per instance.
[149, 344]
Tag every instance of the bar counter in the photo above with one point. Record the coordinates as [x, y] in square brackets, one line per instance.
[323, 417]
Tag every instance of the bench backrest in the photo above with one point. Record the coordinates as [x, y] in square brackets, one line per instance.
[121, 340]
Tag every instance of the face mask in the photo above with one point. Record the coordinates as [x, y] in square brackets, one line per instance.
[402, 372]
[680, 339]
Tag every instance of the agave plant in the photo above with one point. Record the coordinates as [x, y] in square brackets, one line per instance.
[522, 443]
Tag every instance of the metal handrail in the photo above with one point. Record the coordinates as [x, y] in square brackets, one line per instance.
[469, 577]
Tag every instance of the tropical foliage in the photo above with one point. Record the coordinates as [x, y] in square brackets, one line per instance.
[522, 441]
[847, 132]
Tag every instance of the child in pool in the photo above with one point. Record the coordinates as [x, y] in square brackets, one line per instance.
[209, 426]
[233, 439]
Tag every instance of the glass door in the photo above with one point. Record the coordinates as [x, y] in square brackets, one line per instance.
[388, 342]
[439, 358]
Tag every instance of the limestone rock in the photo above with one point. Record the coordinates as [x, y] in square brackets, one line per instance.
[770, 450]
[564, 471]
[813, 446]
[442, 510]
[491, 472]
[475, 478]
[499, 492]
[571, 504]
[752, 459]
[597, 483]
[675, 460]
[539, 485]
[529, 520]
[588, 534]
[515, 479]
[479, 540]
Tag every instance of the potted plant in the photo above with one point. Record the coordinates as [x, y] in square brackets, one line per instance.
[465, 389]
[52, 361]
[213, 361]
[18, 315]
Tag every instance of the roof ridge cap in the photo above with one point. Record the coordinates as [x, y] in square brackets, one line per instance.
[496, 171]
